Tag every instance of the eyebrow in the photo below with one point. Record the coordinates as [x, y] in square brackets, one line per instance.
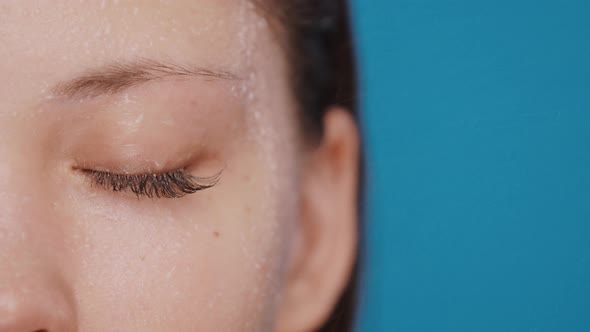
[117, 77]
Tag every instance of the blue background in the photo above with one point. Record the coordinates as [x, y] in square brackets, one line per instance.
[477, 123]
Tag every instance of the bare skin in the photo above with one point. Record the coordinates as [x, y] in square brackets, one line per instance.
[145, 88]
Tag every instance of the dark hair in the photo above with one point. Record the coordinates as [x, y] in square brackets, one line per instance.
[320, 48]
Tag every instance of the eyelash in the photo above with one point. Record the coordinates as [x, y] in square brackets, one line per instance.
[174, 184]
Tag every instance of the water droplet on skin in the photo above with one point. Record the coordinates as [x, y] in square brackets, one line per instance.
[127, 99]
[168, 122]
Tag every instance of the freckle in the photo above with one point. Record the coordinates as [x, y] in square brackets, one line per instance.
[216, 234]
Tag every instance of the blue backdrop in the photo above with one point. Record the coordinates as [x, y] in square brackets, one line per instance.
[477, 122]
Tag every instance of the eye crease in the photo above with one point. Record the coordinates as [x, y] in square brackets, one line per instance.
[174, 184]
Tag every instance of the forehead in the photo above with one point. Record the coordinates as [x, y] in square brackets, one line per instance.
[54, 39]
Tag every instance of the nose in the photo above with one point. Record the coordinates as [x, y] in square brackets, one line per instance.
[36, 281]
[35, 295]
[26, 307]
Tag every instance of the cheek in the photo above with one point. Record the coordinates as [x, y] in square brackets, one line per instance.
[217, 257]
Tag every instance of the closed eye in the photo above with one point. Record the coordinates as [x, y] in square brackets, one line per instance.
[174, 184]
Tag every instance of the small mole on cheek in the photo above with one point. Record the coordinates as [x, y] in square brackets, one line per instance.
[216, 234]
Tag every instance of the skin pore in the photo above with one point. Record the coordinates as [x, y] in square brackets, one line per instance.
[139, 90]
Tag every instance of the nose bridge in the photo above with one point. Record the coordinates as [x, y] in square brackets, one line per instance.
[24, 196]
[34, 292]
[24, 212]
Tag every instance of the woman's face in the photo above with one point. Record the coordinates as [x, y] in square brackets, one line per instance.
[101, 104]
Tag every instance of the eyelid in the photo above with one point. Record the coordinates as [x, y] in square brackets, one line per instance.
[174, 184]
